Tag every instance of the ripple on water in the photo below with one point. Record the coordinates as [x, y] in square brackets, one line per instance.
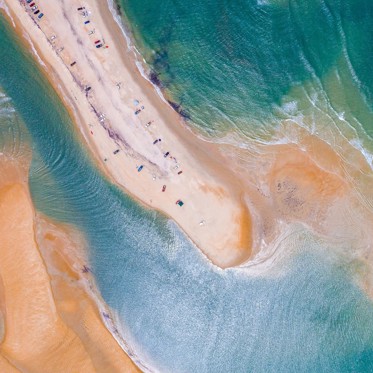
[13, 134]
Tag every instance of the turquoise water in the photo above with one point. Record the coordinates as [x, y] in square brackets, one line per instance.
[13, 135]
[178, 312]
[238, 64]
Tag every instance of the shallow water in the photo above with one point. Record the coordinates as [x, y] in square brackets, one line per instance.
[14, 138]
[299, 312]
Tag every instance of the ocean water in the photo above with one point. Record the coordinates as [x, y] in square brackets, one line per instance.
[301, 311]
[247, 65]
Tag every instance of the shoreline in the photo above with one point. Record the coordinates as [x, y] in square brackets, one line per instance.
[210, 184]
[145, 69]
[77, 262]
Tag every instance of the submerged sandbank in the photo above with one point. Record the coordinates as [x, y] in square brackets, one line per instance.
[49, 323]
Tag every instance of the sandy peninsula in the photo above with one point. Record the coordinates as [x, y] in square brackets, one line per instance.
[51, 324]
[121, 117]
[235, 202]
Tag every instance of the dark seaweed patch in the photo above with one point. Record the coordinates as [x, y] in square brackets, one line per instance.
[178, 108]
[160, 61]
[154, 78]
[118, 8]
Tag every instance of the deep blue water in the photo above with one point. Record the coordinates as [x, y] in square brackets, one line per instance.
[180, 313]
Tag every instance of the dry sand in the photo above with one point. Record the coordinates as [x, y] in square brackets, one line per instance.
[214, 214]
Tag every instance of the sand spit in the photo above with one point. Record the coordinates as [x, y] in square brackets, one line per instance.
[230, 215]
[121, 116]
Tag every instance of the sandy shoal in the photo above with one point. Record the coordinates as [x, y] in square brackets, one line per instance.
[214, 214]
[48, 323]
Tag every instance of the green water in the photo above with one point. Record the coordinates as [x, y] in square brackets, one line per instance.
[178, 312]
[248, 64]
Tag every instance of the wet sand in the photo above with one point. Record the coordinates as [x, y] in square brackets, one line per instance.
[48, 321]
